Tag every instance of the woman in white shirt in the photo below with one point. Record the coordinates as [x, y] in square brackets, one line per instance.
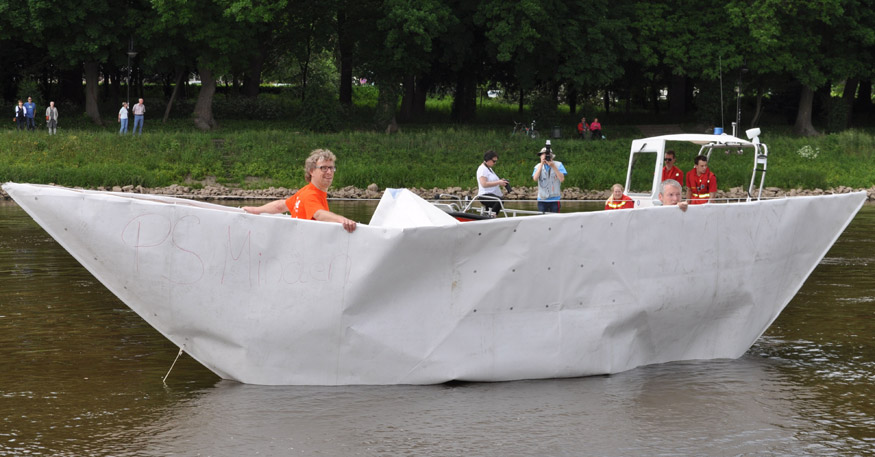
[123, 119]
[488, 183]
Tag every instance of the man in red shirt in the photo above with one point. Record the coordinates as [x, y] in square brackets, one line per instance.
[670, 170]
[583, 129]
[311, 201]
[701, 183]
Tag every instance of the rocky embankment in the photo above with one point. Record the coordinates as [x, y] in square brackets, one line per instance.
[220, 192]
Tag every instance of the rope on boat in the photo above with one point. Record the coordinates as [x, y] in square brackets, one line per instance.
[164, 381]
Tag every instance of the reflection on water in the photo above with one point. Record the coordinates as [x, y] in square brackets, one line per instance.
[81, 375]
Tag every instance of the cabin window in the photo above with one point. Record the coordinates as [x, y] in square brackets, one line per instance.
[643, 166]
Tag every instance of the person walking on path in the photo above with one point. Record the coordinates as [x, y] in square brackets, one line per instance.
[123, 119]
[139, 111]
[52, 118]
[31, 110]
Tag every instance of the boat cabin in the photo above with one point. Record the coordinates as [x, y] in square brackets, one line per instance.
[646, 159]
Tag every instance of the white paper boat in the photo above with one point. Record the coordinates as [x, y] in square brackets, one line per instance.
[417, 298]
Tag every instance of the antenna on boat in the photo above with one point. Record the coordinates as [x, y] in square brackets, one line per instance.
[720, 67]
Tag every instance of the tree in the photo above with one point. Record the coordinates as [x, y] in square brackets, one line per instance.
[81, 35]
[223, 31]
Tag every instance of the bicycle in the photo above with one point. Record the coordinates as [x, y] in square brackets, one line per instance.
[522, 129]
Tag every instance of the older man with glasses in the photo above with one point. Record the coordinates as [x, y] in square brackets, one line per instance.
[311, 201]
[670, 170]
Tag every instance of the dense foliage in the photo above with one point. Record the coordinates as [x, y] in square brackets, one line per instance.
[802, 61]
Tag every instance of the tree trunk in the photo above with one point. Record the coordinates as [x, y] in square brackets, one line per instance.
[203, 109]
[465, 98]
[409, 87]
[654, 98]
[345, 47]
[180, 75]
[92, 76]
[423, 84]
[252, 77]
[759, 107]
[387, 102]
[572, 101]
[71, 86]
[304, 64]
[863, 103]
[803, 126]
[116, 87]
[677, 96]
[607, 100]
[522, 101]
[848, 99]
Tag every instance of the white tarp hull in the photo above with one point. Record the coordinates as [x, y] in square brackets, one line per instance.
[273, 300]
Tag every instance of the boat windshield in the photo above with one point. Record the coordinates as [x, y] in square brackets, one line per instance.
[641, 173]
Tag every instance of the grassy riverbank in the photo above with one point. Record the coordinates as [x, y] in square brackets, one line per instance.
[252, 156]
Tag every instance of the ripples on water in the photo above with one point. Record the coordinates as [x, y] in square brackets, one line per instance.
[81, 375]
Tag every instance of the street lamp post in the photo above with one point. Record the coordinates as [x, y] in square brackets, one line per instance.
[131, 55]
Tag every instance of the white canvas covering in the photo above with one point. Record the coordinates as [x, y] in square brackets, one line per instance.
[401, 208]
[274, 300]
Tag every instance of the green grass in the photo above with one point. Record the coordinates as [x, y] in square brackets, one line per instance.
[429, 152]
[427, 157]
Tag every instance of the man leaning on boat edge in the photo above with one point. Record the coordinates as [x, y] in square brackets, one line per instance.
[311, 201]
[670, 194]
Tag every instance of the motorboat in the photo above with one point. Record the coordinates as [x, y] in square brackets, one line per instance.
[646, 156]
[416, 297]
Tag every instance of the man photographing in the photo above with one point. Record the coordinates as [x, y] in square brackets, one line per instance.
[549, 174]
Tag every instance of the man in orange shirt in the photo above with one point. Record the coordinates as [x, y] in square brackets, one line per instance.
[701, 183]
[670, 170]
[311, 201]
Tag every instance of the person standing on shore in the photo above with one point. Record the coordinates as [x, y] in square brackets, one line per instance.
[311, 201]
[123, 119]
[549, 173]
[31, 111]
[20, 115]
[52, 119]
[139, 113]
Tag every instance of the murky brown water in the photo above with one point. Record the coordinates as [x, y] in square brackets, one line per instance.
[80, 374]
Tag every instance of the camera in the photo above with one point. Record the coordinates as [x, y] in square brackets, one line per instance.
[548, 155]
[507, 187]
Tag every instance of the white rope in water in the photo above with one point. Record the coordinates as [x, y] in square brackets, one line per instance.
[164, 381]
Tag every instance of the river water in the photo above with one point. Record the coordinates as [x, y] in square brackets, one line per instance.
[81, 375]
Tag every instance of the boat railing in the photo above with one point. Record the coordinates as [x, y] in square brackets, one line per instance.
[453, 203]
